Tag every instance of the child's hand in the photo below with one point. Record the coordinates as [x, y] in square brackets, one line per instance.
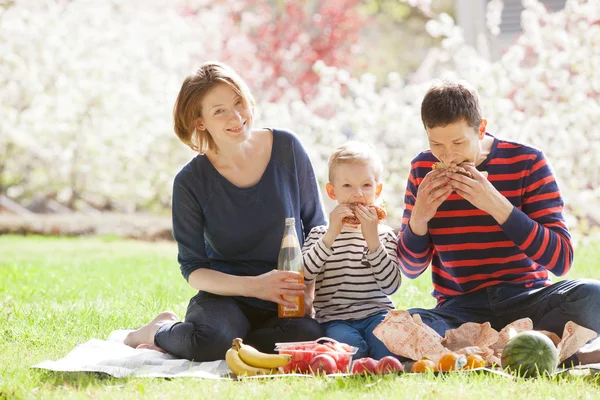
[368, 225]
[336, 216]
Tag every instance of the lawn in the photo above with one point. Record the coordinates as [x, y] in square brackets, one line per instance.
[57, 292]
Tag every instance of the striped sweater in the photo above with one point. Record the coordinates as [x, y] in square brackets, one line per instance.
[351, 284]
[468, 250]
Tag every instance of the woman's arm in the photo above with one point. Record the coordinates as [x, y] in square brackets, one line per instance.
[311, 204]
[188, 231]
[269, 286]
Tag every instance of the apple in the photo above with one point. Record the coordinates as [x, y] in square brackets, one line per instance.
[365, 365]
[323, 364]
[388, 364]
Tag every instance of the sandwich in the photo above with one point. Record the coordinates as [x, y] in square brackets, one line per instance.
[381, 213]
[453, 168]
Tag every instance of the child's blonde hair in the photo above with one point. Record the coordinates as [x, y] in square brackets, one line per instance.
[355, 153]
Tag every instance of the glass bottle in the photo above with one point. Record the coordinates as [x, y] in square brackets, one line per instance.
[290, 259]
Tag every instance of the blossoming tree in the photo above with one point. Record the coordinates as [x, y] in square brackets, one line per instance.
[87, 88]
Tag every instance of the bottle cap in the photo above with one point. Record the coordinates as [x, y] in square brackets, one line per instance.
[290, 221]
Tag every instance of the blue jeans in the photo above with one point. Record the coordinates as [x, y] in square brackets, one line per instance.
[359, 334]
[550, 308]
[212, 322]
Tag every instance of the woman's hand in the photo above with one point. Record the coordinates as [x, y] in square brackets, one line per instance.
[274, 284]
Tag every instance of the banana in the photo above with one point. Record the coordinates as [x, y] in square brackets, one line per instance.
[253, 357]
[240, 368]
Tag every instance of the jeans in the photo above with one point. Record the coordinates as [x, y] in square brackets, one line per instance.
[550, 307]
[359, 334]
[212, 322]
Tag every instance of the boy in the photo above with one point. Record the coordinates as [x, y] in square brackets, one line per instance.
[355, 266]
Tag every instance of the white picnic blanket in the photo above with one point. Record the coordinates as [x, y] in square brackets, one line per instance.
[113, 357]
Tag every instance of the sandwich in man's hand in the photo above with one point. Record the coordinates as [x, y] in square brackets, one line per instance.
[453, 168]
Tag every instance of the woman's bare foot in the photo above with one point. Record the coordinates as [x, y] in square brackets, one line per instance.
[145, 334]
[150, 347]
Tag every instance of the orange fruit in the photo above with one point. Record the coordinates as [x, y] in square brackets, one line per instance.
[423, 366]
[474, 361]
[451, 361]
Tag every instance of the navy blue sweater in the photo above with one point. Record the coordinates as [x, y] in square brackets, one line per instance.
[238, 231]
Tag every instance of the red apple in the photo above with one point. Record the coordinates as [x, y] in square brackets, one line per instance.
[389, 364]
[365, 365]
[323, 364]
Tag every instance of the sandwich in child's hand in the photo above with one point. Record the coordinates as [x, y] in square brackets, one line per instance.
[453, 168]
[381, 213]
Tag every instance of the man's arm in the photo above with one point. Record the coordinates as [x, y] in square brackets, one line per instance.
[539, 228]
[415, 251]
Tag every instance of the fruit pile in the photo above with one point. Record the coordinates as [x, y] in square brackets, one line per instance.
[305, 358]
[244, 360]
[449, 362]
[317, 358]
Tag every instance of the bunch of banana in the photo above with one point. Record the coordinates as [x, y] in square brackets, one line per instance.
[246, 360]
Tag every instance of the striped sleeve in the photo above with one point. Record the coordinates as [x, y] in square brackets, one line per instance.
[415, 252]
[539, 228]
[315, 253]
[384, 262]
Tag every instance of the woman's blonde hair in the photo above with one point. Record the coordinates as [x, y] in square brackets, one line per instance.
[355, 153]
[188, 106]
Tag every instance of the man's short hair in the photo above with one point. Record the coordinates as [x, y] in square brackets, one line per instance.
[355, 153]
[448, 102]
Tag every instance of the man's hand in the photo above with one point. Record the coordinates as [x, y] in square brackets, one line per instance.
[432, 192]
[336, 216]
[368, 225]
[481, 193]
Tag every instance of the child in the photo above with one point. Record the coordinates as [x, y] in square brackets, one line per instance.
[355, 266]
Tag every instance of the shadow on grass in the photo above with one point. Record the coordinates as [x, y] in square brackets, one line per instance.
[78, 380]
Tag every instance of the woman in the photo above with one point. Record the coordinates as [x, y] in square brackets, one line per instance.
[229, 207]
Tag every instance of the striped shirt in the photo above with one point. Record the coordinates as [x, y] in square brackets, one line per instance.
[351, 283]
[468, 250]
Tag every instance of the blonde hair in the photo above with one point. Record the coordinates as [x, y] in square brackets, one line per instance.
[188, 106]
[355, 153]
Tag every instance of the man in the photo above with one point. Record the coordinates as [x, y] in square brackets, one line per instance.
[491, 237]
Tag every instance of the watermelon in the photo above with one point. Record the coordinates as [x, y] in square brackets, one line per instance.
[530, 354]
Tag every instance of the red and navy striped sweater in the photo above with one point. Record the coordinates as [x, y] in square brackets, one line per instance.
[468, 250]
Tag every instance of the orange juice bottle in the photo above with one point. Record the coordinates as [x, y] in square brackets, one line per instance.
[290, 259]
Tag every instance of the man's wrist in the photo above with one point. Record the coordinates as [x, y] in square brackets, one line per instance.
[502, 210]
[418, 228]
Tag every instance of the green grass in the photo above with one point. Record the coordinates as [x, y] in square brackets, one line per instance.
[58, 292]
